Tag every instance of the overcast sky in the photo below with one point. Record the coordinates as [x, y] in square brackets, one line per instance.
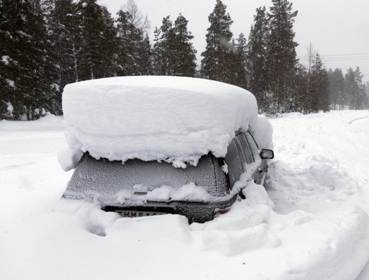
[337, 29]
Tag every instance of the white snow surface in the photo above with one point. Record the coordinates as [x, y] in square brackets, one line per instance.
[311, 223]
[176, 119]
[5, 59]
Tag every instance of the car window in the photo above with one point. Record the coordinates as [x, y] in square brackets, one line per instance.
[246, 150]
[234, 162]
[253, 145]
[105, 179]
[240, 153]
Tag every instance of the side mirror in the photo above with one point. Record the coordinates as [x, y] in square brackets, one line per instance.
[267, 154]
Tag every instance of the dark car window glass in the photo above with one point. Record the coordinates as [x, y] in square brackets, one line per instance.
[246, 148]
[253, 145]
[241, 153]
[234, 162]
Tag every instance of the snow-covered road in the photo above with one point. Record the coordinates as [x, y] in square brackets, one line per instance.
[312, 223]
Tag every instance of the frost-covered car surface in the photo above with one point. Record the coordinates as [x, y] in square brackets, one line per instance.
[148, 145]
[140, 188]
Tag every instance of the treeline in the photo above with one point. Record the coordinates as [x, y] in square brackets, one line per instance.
[48, 44]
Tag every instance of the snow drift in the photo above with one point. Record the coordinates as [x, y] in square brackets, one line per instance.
[316, 230]
[155, 118]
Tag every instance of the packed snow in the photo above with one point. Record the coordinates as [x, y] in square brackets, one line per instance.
[186, 192]
[311, 223]
[175, 119]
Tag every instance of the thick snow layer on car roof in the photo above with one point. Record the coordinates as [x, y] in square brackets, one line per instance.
[176, 119]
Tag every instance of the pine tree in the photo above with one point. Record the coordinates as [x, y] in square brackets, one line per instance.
[256, 58]
[7, 63]
[239, 63]
[302, 90]
[336, 88]
[184, 53]
[109, 45]
[25, 64]
[125, 30]
[355, 89]
[157, 53]
[318, 86]
[173, 51]
[134, 56]
[96, 41]
[361, 101]
[145, 66]
[216, 63]
[281, 55]
[63, 32]
[164, 48]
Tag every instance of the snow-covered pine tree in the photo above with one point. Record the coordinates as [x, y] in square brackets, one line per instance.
[7, 65]
[256, 58]
[62, 24]
[96, 42]
[281, 56]
[25, 63]
[216, 63]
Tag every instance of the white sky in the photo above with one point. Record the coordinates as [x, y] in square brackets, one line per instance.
[337, 29]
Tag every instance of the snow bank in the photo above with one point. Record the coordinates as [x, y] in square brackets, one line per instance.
[314, 230]
[155, 118]
[263, 132]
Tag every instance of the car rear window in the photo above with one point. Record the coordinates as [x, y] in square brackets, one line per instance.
[107, 178]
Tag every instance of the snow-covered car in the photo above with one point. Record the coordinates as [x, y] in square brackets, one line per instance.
[151, 145]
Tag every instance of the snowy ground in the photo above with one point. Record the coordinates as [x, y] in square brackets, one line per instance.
[312, 223]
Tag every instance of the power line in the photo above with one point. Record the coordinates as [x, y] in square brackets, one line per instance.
[343, 57]
[345, 54]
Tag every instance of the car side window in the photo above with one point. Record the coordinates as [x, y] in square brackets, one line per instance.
[234, 162]
[245, 148]
[253, 145]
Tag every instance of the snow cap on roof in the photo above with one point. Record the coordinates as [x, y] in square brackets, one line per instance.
[175, 119]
